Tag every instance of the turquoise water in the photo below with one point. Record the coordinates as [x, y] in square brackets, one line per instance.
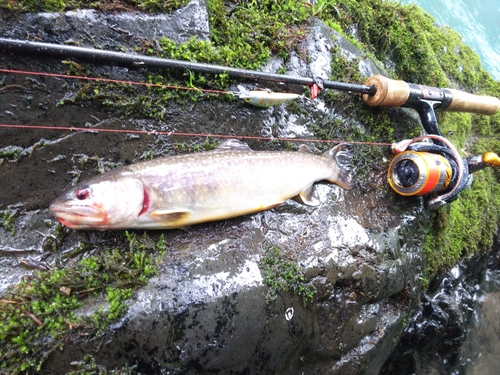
[477, 22]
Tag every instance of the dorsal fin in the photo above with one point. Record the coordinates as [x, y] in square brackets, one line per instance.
[233, 144]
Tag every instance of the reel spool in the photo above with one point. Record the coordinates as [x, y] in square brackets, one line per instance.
[419, 173]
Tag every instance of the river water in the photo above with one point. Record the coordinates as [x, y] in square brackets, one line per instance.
[477, 22]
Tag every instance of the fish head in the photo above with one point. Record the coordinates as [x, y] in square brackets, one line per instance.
[108, 201]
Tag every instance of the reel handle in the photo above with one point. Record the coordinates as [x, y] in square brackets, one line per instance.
[396, 93]
[488, 159]
[491, 159]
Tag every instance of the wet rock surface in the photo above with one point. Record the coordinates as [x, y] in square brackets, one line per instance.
[453, 330]
[480, 352]
[111, 31]
[209, 309]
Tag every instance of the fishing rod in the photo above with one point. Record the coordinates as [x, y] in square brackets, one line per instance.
[377, 90]
[428, 166]
[129, 59]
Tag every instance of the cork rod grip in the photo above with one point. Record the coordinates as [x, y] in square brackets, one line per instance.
[465, 102]
[389, 93]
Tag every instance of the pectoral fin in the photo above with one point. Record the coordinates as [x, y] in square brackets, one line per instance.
[304, 149]
[306, 196]
[172, 216]
[233, 145]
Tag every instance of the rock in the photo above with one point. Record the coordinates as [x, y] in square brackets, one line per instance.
[209, 309]
[434, 338]
[110, 30]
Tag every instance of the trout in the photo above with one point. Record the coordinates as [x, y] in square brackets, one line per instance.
[182, 190]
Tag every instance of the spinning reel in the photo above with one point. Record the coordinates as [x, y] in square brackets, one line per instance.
[430, 165]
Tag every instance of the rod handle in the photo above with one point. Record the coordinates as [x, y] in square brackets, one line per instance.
[395, 93]
[465, 102]
[390, 92]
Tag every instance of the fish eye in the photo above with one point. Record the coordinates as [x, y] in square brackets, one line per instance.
[82, 193]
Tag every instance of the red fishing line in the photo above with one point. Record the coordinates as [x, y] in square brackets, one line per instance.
[179, 134]
[109, 80]
[182, 134]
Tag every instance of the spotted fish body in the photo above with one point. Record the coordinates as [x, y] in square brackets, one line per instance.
[188, 189]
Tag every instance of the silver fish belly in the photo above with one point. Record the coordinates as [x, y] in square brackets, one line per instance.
[183, 190]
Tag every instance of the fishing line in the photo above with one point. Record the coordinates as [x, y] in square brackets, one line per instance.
[109, 80]
[182, 134]
[154, 132]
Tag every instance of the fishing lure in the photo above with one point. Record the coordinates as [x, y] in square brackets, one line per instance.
[265, 99]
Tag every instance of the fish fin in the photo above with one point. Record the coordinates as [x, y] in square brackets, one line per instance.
[306, 196]
[304, 149]
[172, 216]
[243, 93]
[233, 144]
[341, 158]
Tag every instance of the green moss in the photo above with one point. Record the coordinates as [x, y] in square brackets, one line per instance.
[284, 275]
[159, 5]
[248, 35]
[39, 314]
[13, 153]
[456, 127]
[422, 52]
[207, 145]
[8, 220]
[465, 227]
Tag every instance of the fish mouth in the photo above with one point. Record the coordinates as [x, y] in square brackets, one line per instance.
[78, 216]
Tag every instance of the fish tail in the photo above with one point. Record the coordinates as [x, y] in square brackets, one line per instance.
[341, 166]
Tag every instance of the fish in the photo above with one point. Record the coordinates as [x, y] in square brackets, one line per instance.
[182, 190]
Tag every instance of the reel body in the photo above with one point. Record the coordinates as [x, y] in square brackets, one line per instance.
[434, 170]
[419, 173]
